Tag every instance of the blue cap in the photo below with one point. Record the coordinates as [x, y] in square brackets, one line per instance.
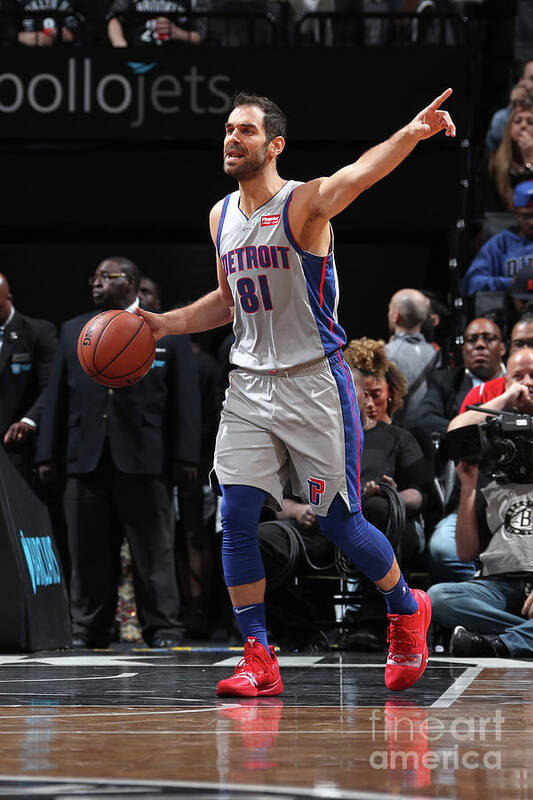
[523, 194]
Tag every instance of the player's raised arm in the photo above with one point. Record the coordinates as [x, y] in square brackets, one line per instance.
[330, 196]
[210, 311]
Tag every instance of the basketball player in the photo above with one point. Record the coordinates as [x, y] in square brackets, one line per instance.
[291, 410]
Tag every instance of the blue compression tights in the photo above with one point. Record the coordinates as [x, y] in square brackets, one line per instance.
[241, 556]
[367, 547]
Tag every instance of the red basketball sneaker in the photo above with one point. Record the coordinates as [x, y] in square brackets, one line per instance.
[408, 651]
[255, 674]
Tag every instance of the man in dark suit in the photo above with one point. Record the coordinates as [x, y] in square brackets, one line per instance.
[27, 349]
[124, 450]
[483, 350]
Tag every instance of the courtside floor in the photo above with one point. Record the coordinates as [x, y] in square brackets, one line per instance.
[146, 724]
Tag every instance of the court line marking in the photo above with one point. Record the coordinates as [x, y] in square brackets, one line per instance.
[487, 663]
[328, 790]
[144, 712]
[457, 688]
[58, 680]
[283, 661]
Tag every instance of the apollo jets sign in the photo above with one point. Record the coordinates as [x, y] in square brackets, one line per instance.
[76, 94]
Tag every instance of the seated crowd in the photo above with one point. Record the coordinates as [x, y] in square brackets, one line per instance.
[463, 530]
[218, 22]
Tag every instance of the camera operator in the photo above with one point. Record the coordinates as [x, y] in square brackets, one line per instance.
[493, 613]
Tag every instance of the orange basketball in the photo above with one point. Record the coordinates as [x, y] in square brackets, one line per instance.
[116, 348]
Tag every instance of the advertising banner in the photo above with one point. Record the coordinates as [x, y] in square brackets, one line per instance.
[185, 93]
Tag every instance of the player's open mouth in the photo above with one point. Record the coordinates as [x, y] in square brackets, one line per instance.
[234, 154]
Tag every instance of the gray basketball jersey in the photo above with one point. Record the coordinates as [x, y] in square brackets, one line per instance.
[285, 299]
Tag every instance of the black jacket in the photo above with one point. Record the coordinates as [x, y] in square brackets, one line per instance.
[149, 426]
[447, 388]
[25, 361]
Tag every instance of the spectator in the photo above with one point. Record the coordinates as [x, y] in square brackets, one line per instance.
[505, 253]
[521, 337]
[392, 459]
[125, 449]
[521, 93]
[483, 351]
[512, 162]
[436, 328]
[27, 349]
[490, 527]
[46, 22]
[414, 356]
[149, 293]
[313, 30]
[517, 367]
[154, 22]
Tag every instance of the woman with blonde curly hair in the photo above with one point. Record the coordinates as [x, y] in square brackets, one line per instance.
[384, 385]
[512, 162]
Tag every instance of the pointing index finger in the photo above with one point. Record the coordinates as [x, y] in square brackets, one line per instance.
[440, 99]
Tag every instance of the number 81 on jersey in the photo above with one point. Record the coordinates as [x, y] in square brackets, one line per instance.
[247, 291]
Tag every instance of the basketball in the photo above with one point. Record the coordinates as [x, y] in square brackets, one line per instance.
[116, 348]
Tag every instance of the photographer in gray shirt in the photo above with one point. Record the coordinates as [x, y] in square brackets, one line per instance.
[493, 613]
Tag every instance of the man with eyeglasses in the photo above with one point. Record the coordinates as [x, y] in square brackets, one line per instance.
[505, 253]
[125, 448]
[521, 338]
[483, 351]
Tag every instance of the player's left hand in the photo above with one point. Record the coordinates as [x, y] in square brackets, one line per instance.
[433, 119]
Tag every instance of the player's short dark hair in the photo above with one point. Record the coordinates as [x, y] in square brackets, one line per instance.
[274, 119]
[127, 266]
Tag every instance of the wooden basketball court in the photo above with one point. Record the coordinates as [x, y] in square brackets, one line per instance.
[140, 723]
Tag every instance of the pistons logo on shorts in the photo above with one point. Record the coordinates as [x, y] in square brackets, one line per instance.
[316, 489]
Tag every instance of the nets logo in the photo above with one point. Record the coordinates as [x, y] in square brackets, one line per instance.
[76, 89]
[519, 518]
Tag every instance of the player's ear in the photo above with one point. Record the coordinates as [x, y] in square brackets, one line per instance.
[277, 145]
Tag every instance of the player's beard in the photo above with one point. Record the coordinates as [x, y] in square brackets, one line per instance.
[249, 166]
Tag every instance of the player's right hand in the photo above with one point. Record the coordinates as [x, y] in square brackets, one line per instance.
[433, 119]
[157, 322]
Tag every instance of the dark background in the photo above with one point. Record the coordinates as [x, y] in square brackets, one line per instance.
[69, 201]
